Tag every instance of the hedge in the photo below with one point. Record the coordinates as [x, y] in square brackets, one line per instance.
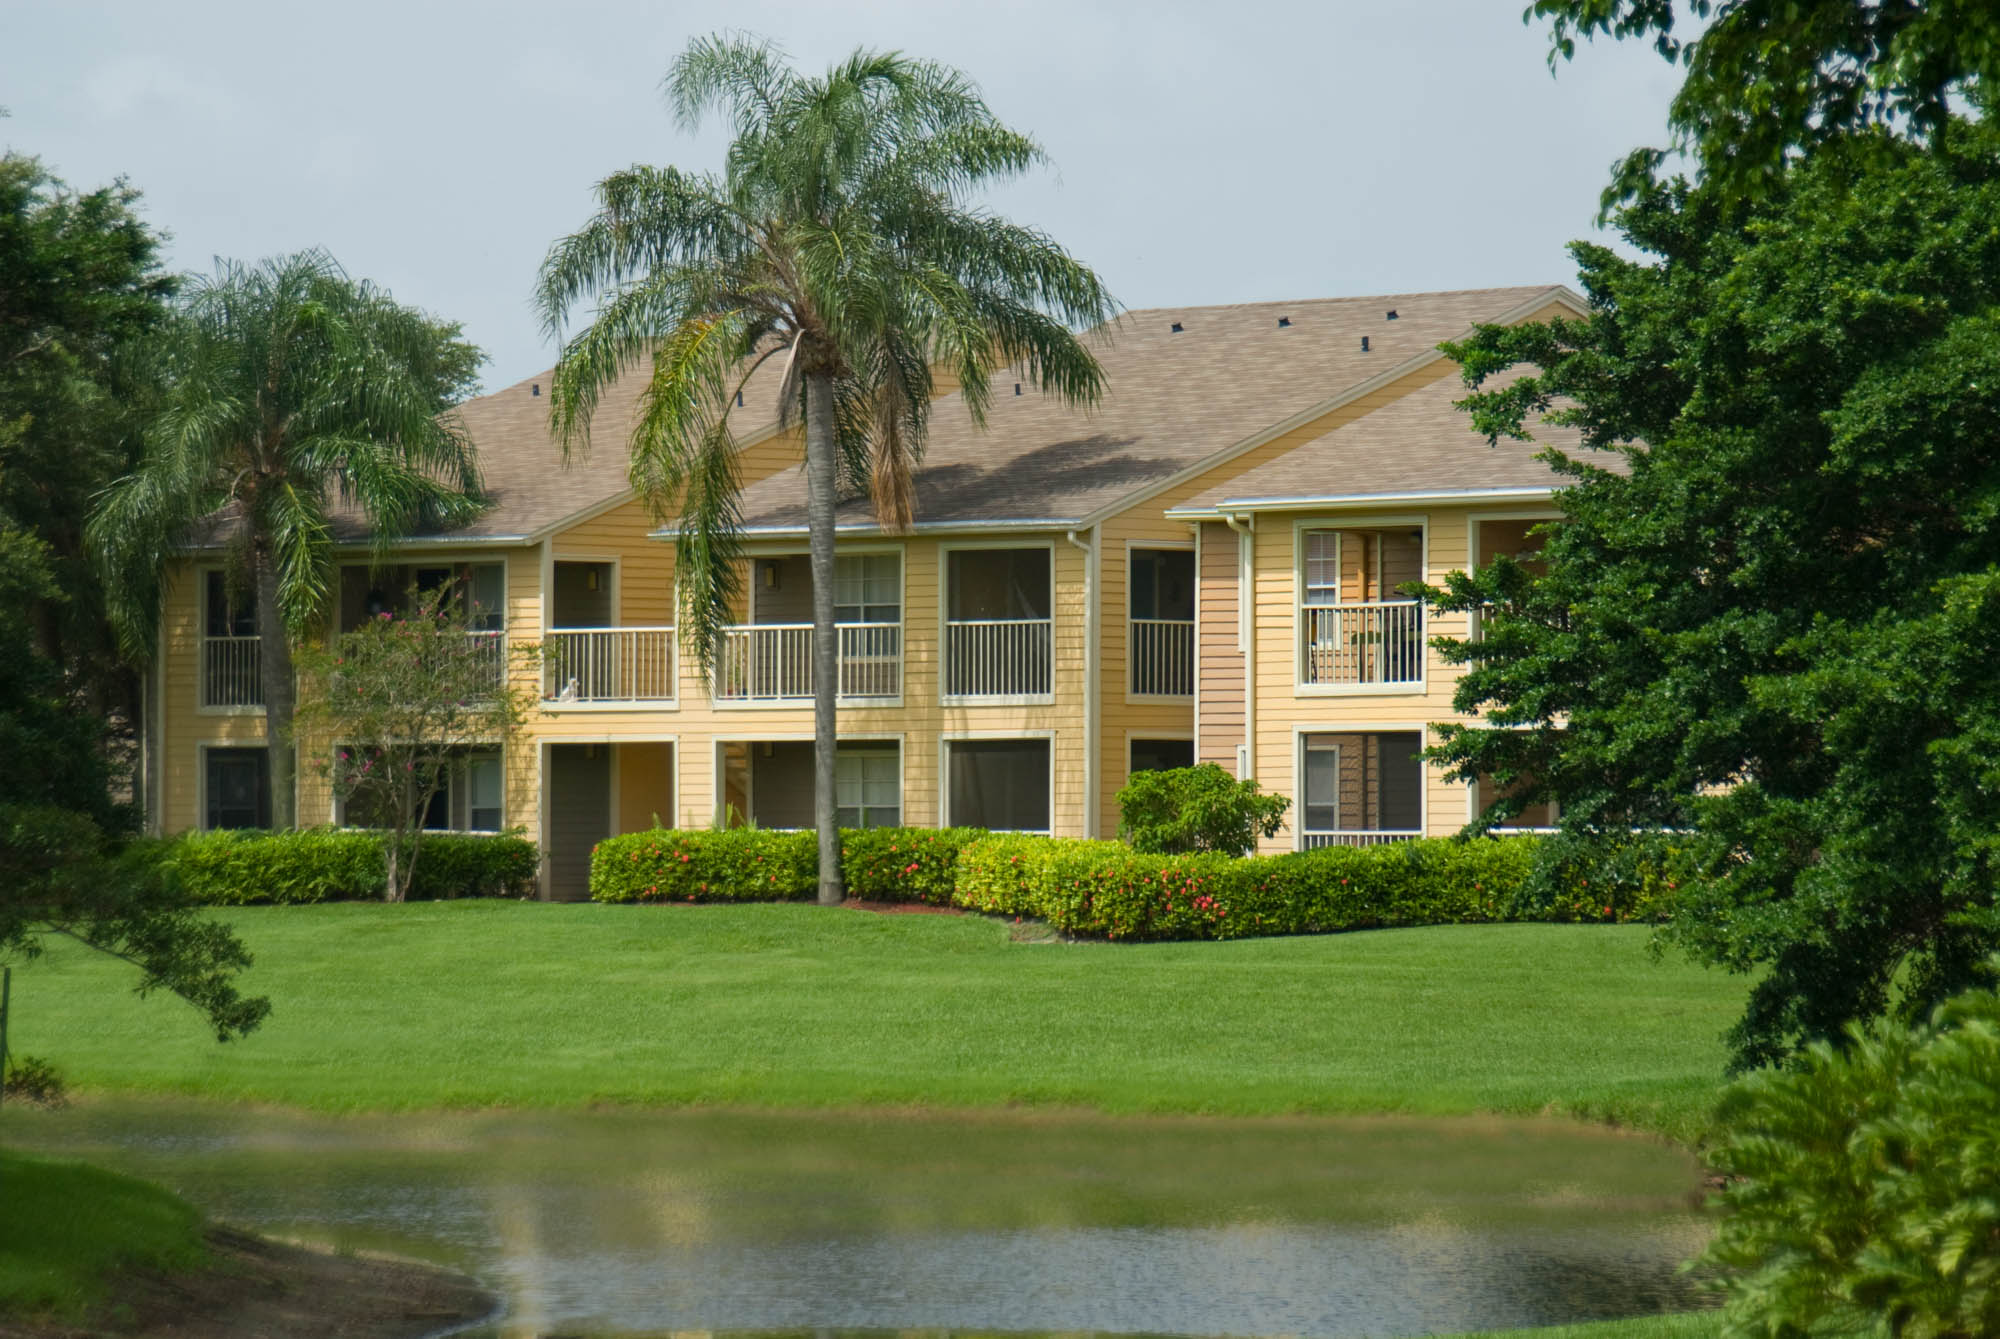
[760, 865]
[232, 868]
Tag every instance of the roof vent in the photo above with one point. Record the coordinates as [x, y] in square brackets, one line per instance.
[1364, 343]
[1284, 321]
[1177, 327]
[739, 399]
[1017, 388]
[536, 389]
[1391, 316]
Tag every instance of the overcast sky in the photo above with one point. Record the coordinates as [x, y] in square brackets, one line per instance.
[1221, 151]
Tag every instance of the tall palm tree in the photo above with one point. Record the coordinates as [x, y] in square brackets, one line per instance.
[839, 240]
[279, 393]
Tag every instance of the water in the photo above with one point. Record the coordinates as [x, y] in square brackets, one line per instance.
[627, 1223]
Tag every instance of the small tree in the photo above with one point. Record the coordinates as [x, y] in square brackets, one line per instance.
[1201, 808]
[397, 701]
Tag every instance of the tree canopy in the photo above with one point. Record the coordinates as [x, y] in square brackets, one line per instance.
[839, 241]
[279, 392]
[1775, 637]
[1769, 78]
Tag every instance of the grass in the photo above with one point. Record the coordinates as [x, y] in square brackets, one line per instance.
[67, 1228]
[473, 1004]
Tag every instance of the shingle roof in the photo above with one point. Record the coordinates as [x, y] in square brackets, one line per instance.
[1173, 398]
[1421, 443]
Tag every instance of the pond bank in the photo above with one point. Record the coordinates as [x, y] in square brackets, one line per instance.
[253, 1287]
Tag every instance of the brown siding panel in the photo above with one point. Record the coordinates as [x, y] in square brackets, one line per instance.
[1219, 674]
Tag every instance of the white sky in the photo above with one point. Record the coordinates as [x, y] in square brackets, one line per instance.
[1203, 152]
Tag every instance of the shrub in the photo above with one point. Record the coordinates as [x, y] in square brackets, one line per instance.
[1865, 1190]
[726, 865]
[1200, 808]
[903, 864]
[1002, 874]
[468, 864]
[229, 868]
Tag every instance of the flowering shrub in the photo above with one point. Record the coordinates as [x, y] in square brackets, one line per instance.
[1003, 874]
[732, 865]
[230, 868]
[903, 864]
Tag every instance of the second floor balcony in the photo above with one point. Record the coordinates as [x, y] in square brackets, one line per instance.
[772, 664]
[999, 625]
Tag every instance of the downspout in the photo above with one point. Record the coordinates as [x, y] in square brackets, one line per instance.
[1090, 674]
[1246, 633]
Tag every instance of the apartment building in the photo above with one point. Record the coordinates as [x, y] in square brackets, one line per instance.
[1202, 566]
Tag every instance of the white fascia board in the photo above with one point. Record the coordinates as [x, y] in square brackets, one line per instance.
[1233, 506]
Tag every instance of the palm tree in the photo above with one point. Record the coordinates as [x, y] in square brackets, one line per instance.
[837, 239]
[279, 393]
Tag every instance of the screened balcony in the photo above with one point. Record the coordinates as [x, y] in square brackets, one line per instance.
[588, 659]
[769, 660]
[999, 630]
[1354, 630]
[1160, 629]
[1360, 789]
[232, 660]
[474, 592]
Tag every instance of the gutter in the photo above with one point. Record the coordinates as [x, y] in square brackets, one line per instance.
[918, 527]
[1246, 636]
[1091, 687]
[1222, 510]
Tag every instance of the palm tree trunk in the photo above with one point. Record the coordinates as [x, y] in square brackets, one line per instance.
[821, 470]
[274, 654]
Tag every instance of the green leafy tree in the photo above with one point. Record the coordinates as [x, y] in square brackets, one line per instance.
[394, 705]
[79, 277]
[1180, 809]
[283, 392]
[1769, 78]
[837, 240]
[1776, 635]
[64, 870]
[1863, 1186]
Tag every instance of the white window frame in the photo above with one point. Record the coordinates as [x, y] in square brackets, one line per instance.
[1360, 521]
[1297, 789]
[858, 751]
[944, 552]
[1187, 546]
[902, 627]
[1134, 735]
[458, 786]
[946, 740]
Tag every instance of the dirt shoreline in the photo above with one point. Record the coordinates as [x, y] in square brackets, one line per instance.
[260, 1289]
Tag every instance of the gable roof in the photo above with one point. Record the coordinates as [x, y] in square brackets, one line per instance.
[1421, 445]
[1176, 399]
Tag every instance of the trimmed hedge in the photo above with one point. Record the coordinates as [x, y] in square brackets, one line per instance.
[229, 868]
[1107, 890]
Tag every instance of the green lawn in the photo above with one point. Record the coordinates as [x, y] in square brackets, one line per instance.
[66, 1228]
[524, 1004]
[1699, 1325]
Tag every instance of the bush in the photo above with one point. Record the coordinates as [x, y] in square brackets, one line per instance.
[1002, 875]
[230, 868]
[1865, 1184]
[1184, 809]
[729, 865]
[903, 864]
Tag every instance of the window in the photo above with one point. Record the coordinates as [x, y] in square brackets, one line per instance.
[472, 798]
[479, 592]
[1163, 584]
[1360, 787]
[997, 583]
[1159, 755]
[1001, 784]
[1361, 566]
[221, 617]
[867, 588]
[868, 788]
[236, 788]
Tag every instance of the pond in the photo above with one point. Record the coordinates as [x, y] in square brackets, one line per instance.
[641, 1222]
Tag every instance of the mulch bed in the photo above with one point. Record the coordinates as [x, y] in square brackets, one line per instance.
[901, 908]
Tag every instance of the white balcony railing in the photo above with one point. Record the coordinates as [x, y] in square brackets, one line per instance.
[1162, 652]
[590, 665]
[1347, 644]
[999, 657]
[231, 672]
[491, 647]
[1356, 837]
[772, 662]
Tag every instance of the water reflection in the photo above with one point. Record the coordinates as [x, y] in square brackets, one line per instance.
[635, 1222]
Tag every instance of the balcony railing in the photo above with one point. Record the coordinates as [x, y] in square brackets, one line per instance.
[1356, 837]
[231, 672]
[590, 665]
[491, 647]
[1162, 651]
[1349, 644]
[772, 662]
[999, 657]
